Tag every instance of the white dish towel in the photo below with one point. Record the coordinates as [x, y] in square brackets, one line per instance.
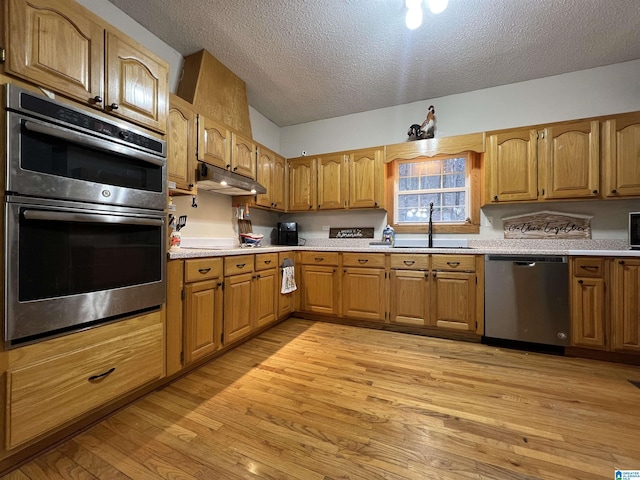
[288, 279]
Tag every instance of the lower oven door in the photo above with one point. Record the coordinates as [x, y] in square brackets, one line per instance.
[72, 265]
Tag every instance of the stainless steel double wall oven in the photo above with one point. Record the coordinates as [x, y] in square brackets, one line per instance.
[84, 221]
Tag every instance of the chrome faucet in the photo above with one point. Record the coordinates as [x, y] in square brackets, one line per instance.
[431, 225]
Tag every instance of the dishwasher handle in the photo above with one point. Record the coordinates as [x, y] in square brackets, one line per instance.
[526, 260]
[525, 264]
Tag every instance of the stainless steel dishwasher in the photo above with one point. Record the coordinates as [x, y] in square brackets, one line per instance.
[527, 298]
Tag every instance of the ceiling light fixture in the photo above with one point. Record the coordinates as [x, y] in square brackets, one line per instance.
[437, 6]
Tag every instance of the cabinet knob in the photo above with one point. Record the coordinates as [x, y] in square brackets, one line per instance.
[621, 262]
[495, 198]
[580, 282]
[235, 168]
[191, 185]
[311, 207]
[375, 204]
[595, 192]
[228, 166]
[114, 106]
[97, 99]
[614, 191]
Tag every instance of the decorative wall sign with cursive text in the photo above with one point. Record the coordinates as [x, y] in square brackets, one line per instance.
[356, 232]
[548, 225]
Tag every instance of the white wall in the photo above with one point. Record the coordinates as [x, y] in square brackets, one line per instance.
[593, 92]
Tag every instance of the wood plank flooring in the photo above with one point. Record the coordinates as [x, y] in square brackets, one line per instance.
[309, 401]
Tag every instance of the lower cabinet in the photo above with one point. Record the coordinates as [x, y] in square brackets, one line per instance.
[625, 300]
[453, 292]
[265, 292]
[587, 294]
[410, 289]
[52, 383]
[286, 301]
[238, 292]
[364, 286]
[320, 282]
[202, 307]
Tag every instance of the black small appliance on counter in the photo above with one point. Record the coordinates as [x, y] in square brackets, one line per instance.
[287, 233]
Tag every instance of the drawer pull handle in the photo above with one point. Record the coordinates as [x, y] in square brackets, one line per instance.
[267, 262]
[319, 259]
[362, 260]
[453, 264]
[93, 378]
[409, 262]
[589, 267]
[240, 265]
[204, 270]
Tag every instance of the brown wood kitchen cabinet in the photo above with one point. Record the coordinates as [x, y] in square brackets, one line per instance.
[214, 142]
[588, 302]
[332, 176]
[320, 282]
[303, 196]
[410, 289]
[625, 324]
[621, 157]
[364, 286]
[453, 292]
[558, 161]
[62, 46]
[265, 292]
[271, 170]
[182, 141]
[203, 298]
[55, 382]
[238, 293]
[287, 301]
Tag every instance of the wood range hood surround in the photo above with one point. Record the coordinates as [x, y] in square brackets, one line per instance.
[215, 91]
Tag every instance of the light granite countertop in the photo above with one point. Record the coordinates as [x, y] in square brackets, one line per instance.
[612, 248]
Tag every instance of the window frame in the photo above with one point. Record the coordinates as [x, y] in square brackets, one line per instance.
[474, 187]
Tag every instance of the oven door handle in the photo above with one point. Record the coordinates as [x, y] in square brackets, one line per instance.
[89, 141]
[89, 218]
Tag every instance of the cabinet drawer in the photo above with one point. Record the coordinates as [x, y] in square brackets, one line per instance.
[319, 258]
[372, 260]
[202, 269]
[238, 264]
[588, 267]
[454, 263]
[264, 261]
[45, 395]
[409, 261]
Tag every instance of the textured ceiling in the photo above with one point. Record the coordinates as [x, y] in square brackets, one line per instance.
[305, 60]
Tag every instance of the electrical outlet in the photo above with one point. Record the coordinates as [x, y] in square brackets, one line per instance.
[488, 222]
[326, 228]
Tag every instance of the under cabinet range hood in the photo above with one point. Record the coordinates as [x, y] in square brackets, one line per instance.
[218, 180]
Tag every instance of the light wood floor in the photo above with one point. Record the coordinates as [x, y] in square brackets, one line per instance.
[322, 401]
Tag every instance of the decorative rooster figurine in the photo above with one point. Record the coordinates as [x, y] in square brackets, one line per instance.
[419, 131]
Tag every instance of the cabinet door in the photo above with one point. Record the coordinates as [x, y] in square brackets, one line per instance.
[365, 179]
[332, 182]
[277, 183]
[57, 45]
[203, 319]
[264, 173]
[363, 293]
[243, 156]
[214, 143]
[137, 83]
[587, 312]
[265, 297]
[453, 301]
[181, 144]
[621, 147]
[571, 159]
[513, 162]
[626, 305]
[302, 184]
[237, 307]
[286, 301]
[409, 296]
[320, 289]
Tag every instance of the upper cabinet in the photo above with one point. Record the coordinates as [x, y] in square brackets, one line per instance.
[182, 144]
[60, 45]
[271, 169]
[337, 181]
[557, 162]
[621, 155]
[219, 146]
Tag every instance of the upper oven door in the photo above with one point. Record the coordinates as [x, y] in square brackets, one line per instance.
[52, 160]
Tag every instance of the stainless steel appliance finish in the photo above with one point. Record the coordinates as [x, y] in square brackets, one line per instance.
[527, 298]
[84, 220]
[219, 180]
[55, 150]
[634, 230]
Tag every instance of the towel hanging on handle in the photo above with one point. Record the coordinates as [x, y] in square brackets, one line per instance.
[288, 279]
